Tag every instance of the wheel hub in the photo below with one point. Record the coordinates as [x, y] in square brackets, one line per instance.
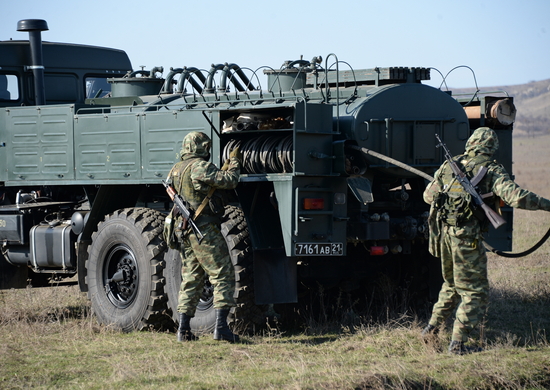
[207, 296]
[121, 276]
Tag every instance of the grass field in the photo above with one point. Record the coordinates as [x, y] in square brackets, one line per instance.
[49, 339]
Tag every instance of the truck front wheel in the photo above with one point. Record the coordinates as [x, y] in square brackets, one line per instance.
[124, 270]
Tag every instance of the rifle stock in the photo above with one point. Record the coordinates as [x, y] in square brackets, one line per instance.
[494, 217]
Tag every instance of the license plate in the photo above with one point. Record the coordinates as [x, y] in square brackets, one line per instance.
[319, 249]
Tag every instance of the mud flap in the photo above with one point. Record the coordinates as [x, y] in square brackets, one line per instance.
[275, 277]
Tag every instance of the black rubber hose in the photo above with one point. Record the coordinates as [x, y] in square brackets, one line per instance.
[520, 254]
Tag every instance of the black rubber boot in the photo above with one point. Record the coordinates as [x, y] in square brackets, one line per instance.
[429, 332]
[458, 348]
[430, 336]
[184, 330]
[222, 331]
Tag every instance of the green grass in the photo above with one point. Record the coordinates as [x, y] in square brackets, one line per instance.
[49, 339]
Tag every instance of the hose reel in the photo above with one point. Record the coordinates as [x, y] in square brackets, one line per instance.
[263, 154]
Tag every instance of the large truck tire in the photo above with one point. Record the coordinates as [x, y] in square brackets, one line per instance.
[124, 270]
[246, 315]
[205, 316]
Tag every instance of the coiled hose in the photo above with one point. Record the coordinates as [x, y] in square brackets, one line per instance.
[263, 154]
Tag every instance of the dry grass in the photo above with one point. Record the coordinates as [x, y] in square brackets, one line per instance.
[75, 353]
[49, 339]
[518, 284]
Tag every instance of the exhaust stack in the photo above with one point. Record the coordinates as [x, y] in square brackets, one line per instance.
[34, 27]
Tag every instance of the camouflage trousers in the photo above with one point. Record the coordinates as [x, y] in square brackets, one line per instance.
[209, 259]
[465, 287]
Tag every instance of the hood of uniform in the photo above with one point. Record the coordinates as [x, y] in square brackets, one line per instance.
[195, 144]
[483, 141]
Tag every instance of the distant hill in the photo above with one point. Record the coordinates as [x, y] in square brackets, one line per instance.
[532, 101]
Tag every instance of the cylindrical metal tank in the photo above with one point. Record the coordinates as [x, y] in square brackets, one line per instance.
[401, 120]
[285, 79]
[131, 85]
[135, 86]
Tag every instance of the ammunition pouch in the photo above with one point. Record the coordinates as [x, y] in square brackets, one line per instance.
[457, 209]
[170, 226]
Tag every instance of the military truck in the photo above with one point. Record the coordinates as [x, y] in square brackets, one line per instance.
[85, 142]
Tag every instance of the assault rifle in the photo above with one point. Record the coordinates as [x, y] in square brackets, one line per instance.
[469, 186]
[184, 211]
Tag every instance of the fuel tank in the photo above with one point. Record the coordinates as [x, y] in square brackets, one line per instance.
[401, 120]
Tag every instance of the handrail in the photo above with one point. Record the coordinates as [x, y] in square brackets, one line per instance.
[196, 105]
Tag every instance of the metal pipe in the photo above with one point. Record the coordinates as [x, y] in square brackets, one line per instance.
[327, 89]
[502, 110]
[167, 86]
[210, 80]
[187, 74]
[392, 161]
[155, 70]
[237, 69]
[34, 27]
[245, 79]
[17, 255]
[224, 76]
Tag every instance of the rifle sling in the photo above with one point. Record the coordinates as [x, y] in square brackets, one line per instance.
[204, 202]
[479, 176]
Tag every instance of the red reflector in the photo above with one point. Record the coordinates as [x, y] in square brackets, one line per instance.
[377, 250]
[314, 203]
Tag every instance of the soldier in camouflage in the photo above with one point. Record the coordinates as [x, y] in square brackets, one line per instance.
[192, 178]
[456, 234]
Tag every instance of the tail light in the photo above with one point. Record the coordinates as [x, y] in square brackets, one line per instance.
[314, 203]
[378, 250]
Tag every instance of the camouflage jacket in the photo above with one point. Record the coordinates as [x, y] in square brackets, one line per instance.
[194, 176]
[479, 150]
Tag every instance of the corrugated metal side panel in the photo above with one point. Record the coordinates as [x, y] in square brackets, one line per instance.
[39, 143]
